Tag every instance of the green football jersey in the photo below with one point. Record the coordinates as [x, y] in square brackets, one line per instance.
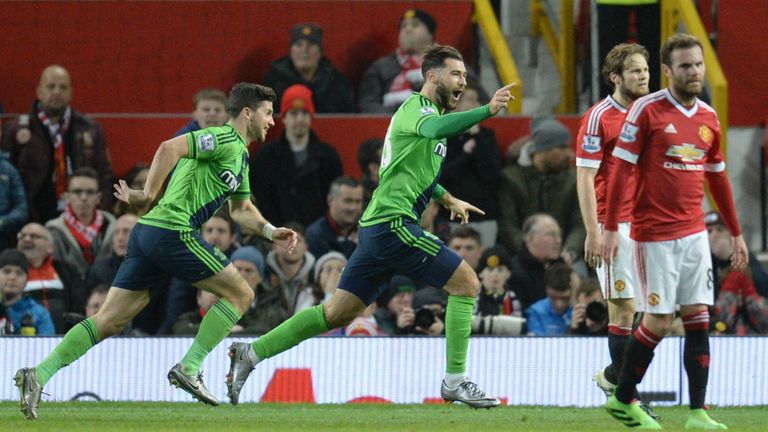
[215, 170]
[410, 165]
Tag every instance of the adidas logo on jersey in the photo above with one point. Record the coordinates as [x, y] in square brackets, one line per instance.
[670, 129]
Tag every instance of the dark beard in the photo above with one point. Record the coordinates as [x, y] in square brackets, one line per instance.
[683, 91]
[444, 97]
[55, 112]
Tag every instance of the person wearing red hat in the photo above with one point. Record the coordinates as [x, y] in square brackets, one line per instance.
[295, 171]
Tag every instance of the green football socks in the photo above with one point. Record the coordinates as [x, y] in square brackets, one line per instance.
[458, 322]
[78, 340]
[302, 326]
[216, 325]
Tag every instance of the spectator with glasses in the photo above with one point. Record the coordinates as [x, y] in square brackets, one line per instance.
[55, 284]
[82, 233]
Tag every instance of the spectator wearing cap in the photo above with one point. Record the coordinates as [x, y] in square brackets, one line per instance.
[306, 65]
[327, 274]
[547, 186]
[395, 312]
[434, 300]
[741, 306]
[496, 297]
[287, 287]
[337, 229]
[391, 79]
[27, 316]
[294, 172]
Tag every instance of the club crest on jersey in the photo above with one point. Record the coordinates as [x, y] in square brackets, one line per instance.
[686, 152]
[653, 299]
[230, 180]
[206, 142]
[619, 285]
[441, 149]
[591, 144]
[628, 133]
[705, 133]
[427, 110]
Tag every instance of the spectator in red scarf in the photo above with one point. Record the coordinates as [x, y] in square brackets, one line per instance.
[82, 233]
[52, 141]
[391, 79]
[53, 283]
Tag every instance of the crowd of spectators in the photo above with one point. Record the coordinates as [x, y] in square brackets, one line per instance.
[62, 236]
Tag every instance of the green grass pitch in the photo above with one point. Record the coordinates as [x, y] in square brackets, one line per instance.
[160, 416]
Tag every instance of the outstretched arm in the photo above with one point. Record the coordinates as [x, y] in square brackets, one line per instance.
[455, 123]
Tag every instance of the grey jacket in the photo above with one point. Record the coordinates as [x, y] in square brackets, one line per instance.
[66, 248]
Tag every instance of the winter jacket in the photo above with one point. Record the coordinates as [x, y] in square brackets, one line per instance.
[33, 157]
[66, 248]
[40, 316]
[285, 192]
[331, 90]
[524, 191]
[13, 202]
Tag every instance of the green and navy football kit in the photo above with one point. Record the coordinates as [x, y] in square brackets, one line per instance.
[167, 240]
[391, 239]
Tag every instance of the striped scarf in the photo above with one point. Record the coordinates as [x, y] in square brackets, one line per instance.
[63, 165]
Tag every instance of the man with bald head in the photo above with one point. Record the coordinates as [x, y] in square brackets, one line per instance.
[54, 284]
[53, 140]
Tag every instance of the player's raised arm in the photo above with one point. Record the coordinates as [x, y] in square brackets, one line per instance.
[166, 157]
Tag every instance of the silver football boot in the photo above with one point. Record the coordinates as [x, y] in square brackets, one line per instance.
[470, 394]
[192, 384]
[240, 367]
[29, 392]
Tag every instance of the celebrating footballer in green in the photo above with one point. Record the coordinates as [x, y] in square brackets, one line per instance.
[211, 167]
[390, 239]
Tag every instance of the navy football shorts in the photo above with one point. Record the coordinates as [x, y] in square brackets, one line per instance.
[399, 246]
[154, 253]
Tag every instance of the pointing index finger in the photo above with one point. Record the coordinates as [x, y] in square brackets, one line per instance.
[509, 86]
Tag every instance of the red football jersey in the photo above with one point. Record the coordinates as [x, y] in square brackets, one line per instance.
[598, 132]
[672, 146]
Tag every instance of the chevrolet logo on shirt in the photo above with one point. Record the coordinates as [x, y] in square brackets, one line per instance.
[686, 152]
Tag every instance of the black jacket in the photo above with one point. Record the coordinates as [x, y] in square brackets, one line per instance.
[285, 192]
[527, 278]
[331, 91]
[473, 177]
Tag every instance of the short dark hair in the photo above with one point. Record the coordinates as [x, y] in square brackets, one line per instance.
[337, 183]
[368, 152]
[248, 95]
[617, 59]
[676, 42]
[209, 94]
[85, 172]
[435, 56]
[558, 276]
[101, 288]
[296, 226]
[223, 213]
[464, 232]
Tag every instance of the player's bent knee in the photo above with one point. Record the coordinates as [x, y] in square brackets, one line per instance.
[339, 317]
[464, 282]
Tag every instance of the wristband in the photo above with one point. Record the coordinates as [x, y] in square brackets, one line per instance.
[267, 231]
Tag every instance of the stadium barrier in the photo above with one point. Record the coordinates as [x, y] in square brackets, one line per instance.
[521, 371]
